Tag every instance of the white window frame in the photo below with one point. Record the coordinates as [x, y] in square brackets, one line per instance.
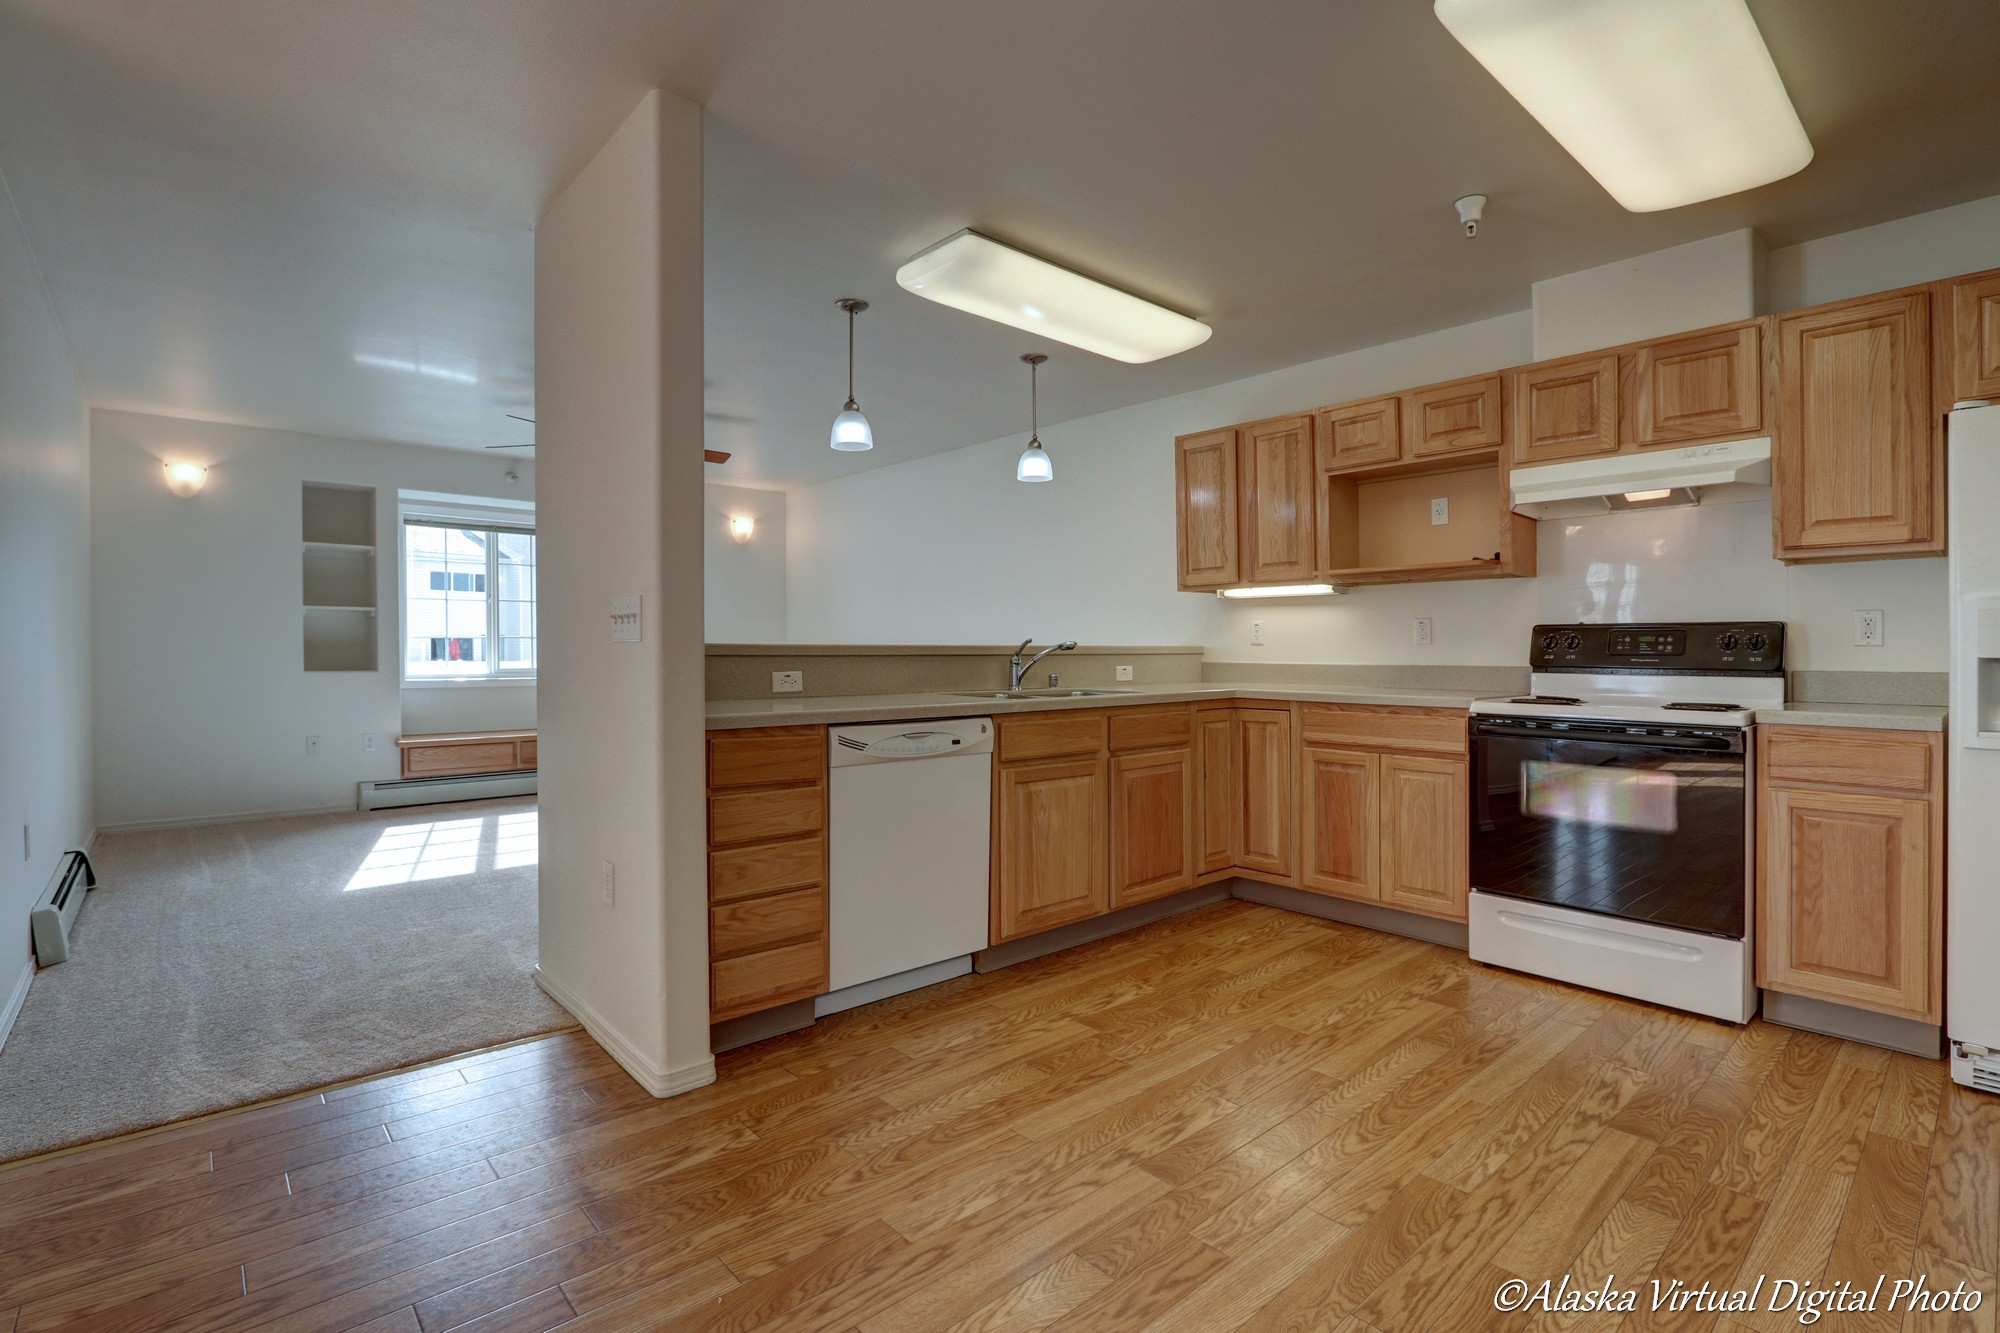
[500, 516]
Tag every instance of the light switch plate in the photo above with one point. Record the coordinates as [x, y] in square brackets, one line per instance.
[788, 682]
[625, 620]
[610, 886]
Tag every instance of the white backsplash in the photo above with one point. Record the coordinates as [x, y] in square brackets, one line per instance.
[1709, 562]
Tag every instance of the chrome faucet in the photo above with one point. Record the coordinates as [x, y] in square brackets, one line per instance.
[1022, 666]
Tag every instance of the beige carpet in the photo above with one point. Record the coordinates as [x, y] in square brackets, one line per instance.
[230, 963]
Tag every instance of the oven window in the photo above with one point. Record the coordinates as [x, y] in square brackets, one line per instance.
[1610, 797]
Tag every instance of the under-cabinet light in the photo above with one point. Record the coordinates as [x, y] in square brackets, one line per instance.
[1283, 590]
[1665, 102]
[1640, 497]
[981, 276]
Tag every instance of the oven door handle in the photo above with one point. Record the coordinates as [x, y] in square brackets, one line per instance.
[1611, 736]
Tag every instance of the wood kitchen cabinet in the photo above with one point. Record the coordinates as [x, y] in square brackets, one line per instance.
[1363, 434]
[1051, 822]
[1275, 474]
[1457, 417]
[766, 868]
[1265, 813]
[1850, 876]
[1565, 409]
[1424, 833]
[1218, 787]
[1857, 463]
[1152, 825]
[1207, 509]
[1340, 819]
[1698, 386]
[1973, 306]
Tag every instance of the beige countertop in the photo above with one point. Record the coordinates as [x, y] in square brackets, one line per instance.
[839, 710]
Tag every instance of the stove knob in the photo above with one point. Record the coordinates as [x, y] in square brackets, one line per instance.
[1548, 643]
[1758, 643]
[1727, 643]
[1572, 642]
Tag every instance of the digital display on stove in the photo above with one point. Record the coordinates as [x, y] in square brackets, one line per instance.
[1648, 642]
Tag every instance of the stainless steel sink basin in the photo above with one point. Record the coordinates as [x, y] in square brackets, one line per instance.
[1034, 694]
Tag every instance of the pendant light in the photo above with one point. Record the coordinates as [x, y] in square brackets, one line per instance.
[1035, 464]
[851, 432]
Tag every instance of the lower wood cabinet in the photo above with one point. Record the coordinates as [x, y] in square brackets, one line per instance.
[1341, 816]
[1850, 868]
[766, 868]
[1217, 782]
[1424, 819]
[1050, 832]
[1384, 826]
[1264, 811]
[1152, 825]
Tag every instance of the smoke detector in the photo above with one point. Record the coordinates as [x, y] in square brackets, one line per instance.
[1470, 209]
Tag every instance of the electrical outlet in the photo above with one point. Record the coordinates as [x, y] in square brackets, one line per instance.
[1124, 673]
[1420, 631]
[368, 742]
[788, 682]
[1256, 634]
[312, 745]
[1440, 511]
[610, 888]
[1868, 629]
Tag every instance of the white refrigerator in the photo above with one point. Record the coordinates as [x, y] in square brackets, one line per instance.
[1972, 892]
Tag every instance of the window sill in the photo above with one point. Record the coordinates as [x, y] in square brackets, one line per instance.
[464, 682]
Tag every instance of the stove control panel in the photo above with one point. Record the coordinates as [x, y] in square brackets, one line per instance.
[1697, 648]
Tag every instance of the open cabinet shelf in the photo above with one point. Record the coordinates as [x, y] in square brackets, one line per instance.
[337, 576]
[1376, 526]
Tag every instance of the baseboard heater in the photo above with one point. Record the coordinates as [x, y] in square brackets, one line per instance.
[431, 791]
[55, 911]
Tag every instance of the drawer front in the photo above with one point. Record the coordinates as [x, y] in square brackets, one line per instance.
[1894, 761]
[756, 981]
[529, 753]
[1152, 729]
[766, 923]
[1438, 730]
[471, 757]
[744, 872]
[1048, 736]
[765, 756]
[762, 816]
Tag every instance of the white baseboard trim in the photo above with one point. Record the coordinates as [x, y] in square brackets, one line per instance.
[12, 1009]
[193, 821]
[660, 1082]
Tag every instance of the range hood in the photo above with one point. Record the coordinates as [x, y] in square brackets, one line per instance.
[1656, 479]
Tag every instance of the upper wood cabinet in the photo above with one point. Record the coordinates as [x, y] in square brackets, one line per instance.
[1565, 409]
[1152, 824]
[1264, 821]
[1363, 434]
[1207, 508]
[1857, 467]
[1275, 472]
[1974, 304]
[1850, 868]
[1049, 841]
[1459, 417]
[1700, 386]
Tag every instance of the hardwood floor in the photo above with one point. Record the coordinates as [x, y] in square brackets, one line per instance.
[1234, 1119]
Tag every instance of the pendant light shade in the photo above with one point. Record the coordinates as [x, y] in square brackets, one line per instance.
[851, 431]
[1035, 464]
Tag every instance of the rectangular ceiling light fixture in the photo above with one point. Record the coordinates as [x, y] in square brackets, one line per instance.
[980, 276]
[1665, 102]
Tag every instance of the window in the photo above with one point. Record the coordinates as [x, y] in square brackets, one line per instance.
[468, 599]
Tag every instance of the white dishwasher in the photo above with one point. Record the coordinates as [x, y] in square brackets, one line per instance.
[911, 816]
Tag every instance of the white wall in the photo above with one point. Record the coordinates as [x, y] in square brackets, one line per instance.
[618, 396]
[201, 696]
[951, 549]
[44, 602]
[743, 583]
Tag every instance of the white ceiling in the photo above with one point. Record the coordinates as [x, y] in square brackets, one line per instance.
[235, 199]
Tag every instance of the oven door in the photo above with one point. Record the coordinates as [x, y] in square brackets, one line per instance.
[1623, 822]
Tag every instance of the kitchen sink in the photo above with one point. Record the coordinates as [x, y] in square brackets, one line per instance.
[1034, 694]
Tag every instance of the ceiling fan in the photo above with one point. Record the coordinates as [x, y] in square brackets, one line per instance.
[707, 455]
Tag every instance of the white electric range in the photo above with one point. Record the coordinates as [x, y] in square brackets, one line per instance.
[1613, 811]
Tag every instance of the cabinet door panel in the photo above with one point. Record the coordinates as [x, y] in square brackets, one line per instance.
[1975, 338]
[1264, 826]
[1206, 509]
[1218, 789]
[1152, 826]
[1049, 846]
[1453, 418]
[1364, 434]
[1566, 409]
[1424, 820]
[1702, 386]
[1855, 465]
[1846, 901]
[1276, 471]
[1340, 821]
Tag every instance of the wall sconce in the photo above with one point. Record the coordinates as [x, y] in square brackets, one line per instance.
[185, 478]
[741, 526]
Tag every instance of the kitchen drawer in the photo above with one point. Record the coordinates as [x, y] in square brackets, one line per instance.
[1151, 728]
[424, 761]
[766, 923]
[765, 756]
[754, 981]
[744, 872]
[1440, 730]
[1892, 761]
[1049, 735]
[762, 816]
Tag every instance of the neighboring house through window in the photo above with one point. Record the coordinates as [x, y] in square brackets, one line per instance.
[468, 596]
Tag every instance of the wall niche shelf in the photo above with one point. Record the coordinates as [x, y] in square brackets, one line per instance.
[337, 576]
